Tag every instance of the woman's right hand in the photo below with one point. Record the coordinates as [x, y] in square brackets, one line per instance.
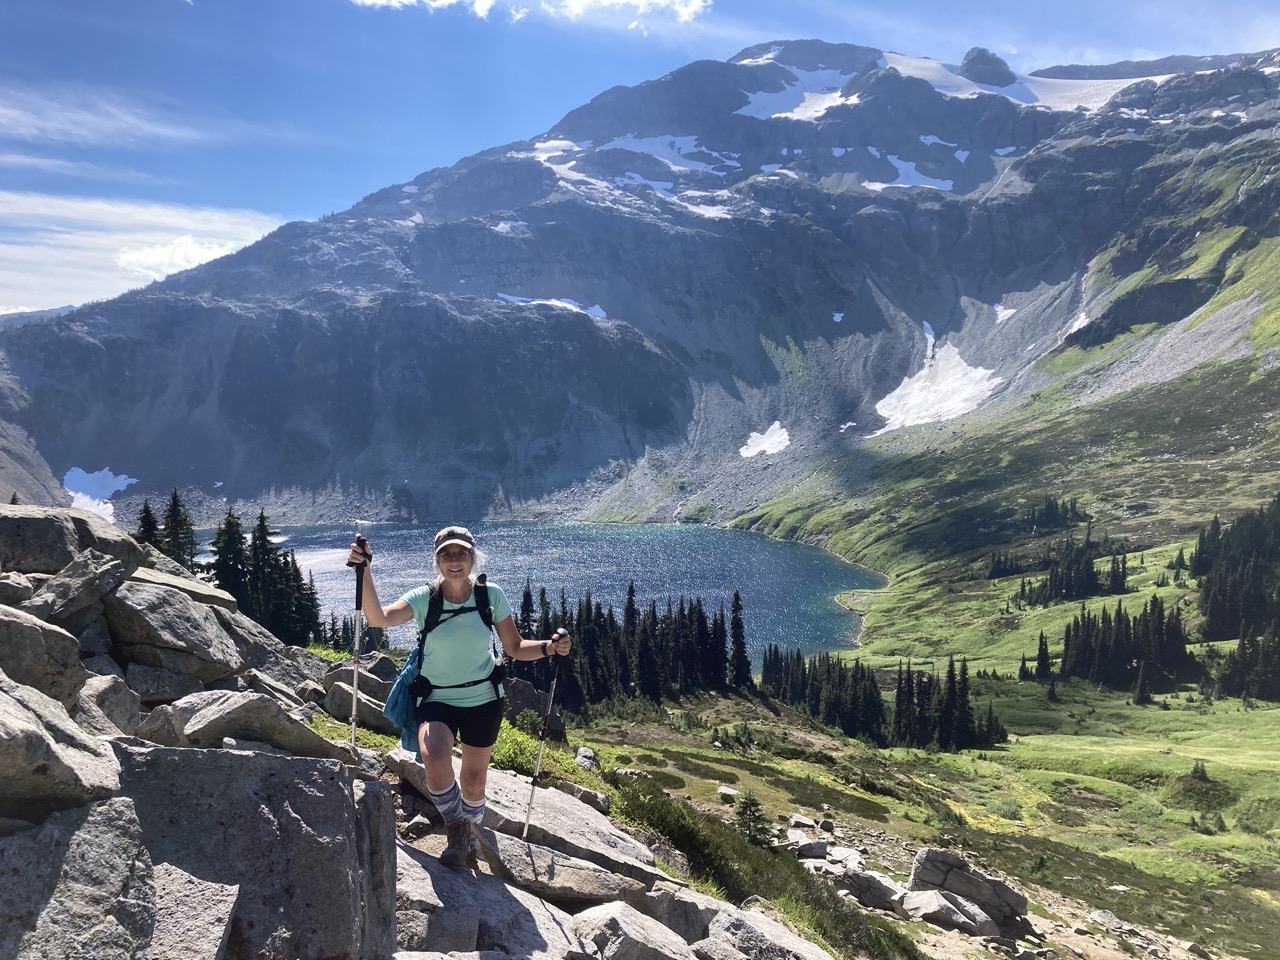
[357, 555]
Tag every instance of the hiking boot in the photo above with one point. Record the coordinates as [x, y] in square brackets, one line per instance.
[457, 853]
[473, 852]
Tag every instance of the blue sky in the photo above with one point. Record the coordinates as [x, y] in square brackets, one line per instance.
[139, 137]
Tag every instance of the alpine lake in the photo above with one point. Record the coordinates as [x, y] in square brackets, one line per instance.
[788, 589]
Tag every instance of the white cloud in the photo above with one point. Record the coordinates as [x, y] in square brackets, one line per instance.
[91, 118]
[158, 260]
[57, 250]
[72, 168]
[89, 491]
[103, 508]
[685, 11]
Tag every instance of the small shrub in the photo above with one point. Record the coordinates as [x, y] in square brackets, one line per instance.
[1258, 815]
[1006, 809]
[529, 722]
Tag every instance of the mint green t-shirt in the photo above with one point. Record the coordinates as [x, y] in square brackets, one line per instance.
[458, 649]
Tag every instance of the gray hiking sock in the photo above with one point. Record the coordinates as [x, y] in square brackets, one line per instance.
[449, 802]
[474, 811]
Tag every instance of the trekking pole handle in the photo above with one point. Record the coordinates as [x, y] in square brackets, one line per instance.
[561, 632]
[363, 544]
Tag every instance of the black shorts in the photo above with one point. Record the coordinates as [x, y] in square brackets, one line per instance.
[475, 726]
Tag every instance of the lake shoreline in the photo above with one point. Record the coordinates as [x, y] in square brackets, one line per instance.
[789, 589]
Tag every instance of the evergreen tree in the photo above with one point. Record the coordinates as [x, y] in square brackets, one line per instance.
[178, 535]
[740, 665]
[1044, 666]
[148, 530]
[1141, 690]
[526, 620]
[750, 820]
[230, 565]
[13, 499]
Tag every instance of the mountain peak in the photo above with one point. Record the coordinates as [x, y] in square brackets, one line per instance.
[847, 58]
[982, 66]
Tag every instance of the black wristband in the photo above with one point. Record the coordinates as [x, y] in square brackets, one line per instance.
[544, 649]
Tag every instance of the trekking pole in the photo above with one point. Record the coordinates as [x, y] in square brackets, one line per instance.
[542, 738]
[356, 644]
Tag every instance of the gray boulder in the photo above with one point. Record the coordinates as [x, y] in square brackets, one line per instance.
[193, 916]
[46, 539]
[715, 950]
[14, 588]
[872, 889]
[312, 665]
[102, 665]
[374, 686]
[107, 707]
[378, 857]
[685, 912]
[197, 590]
[259, 682]
[155, 560]
[261, 649]
[948, 911]
[284, 830]
[78, 885]
[381, 666]
[620, 932]
[557, 821]
[155, 685]
[566, 881]
[47, 763]
[95, 639]
[938, 869]
[82, 582]
[761, 938]
[592, 798]
[159, 626]
[451, 911]
[337, 703]
[204, 719]
[804, 846]
[40, 655]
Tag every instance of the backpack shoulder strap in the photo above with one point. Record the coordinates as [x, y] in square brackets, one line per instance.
[435, 607]
[481, 593]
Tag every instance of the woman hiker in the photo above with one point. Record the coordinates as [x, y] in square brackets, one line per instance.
[458, 664]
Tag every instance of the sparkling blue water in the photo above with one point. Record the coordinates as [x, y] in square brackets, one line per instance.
[788, 589]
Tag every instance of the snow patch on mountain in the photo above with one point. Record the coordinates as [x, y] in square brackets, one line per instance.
[1003, 313]
[945, 388]
[908, 176]
[774, 440]
[662, 188]
[1047, 92]
[596, 311]
[812, 94]
[673, 151]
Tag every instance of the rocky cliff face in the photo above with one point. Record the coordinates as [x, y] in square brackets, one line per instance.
[827, 237]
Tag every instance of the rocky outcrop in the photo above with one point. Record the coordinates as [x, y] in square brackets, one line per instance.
[171, 809]
[982, 66]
